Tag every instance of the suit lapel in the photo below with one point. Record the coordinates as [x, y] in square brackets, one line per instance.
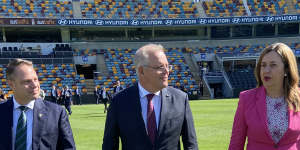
[10, 107]
[40, 116]
[165, 103]
[138, 110]
[262, 109]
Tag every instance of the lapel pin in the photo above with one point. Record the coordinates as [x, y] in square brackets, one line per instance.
[40, 115]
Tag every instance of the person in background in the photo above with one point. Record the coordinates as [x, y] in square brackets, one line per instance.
[105, 98]
[118, 87]
[2, 96]
[28, 122]
[268, 116]
[59, 96]
[42, 94]
[54, 95]
[77, 95]
[150, 115]
[96, 94]
[67, 94]
[99, 95]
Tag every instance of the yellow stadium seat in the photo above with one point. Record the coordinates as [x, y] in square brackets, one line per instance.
[20, 8]
[62, 9]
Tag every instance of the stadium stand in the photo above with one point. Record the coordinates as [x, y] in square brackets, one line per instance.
[224, 8]
[241, 79]
[36, 9]
[141, 9]
[267, 7]
[228, 8]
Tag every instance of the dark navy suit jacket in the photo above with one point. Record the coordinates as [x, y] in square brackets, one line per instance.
[124, 120]
[51, 127]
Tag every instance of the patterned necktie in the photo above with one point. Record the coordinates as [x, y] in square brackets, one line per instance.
[151, 121]
[21, 132]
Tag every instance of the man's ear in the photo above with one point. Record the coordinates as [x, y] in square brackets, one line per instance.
[10, 83]
[141, 70]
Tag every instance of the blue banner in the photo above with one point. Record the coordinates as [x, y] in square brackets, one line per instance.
[177, 22]
[114, 22]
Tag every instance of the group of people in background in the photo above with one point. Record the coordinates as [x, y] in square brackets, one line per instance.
[64, 97]
[103, 96]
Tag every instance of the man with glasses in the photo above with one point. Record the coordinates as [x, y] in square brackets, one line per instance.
[28, 122]
[150, 115]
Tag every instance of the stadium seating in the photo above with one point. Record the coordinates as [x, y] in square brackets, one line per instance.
[59, 75]
[229, 8]
[297, 5]
[267, 7]
[141, 9]
[138, 9]
[242, 79]
[36, 9]
[224, 8]
[87, 52]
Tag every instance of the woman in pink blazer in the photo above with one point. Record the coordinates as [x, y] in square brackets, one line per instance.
[268, 116]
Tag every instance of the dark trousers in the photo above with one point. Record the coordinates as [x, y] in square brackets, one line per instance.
[99, 99]
[78, 100]
[105, 100]
[68, 104]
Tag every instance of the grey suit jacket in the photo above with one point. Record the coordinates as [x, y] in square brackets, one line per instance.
[51, 127]
[124, 120]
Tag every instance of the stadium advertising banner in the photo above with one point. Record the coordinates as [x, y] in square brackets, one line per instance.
[27, 21]
[115, 22]
[149, 22]
[176, 22]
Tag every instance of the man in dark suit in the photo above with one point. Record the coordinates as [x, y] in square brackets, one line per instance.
[77, 95]
[150, 115]
[99, 95]
[54, 96]
[67, 94]
[28, 122]
[118, 87]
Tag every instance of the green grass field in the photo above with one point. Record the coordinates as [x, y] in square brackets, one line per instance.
[212, 118]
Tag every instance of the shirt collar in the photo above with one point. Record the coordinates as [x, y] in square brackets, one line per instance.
[29, 105]
[143, 92]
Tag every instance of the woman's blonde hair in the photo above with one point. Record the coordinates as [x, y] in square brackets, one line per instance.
[291, 79]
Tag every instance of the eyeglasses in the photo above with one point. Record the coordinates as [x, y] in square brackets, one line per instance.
[161, 68]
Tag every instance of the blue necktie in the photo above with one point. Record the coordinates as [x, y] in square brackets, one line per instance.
[21, 132]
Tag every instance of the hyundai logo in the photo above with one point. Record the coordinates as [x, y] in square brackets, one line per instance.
[99, 22]
[169, 22]
[62, 21]
[134, 22]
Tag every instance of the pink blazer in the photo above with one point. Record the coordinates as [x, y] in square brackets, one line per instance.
[251, 121]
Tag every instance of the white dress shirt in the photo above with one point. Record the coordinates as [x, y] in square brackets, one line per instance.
[29, 117]
[156, 101]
